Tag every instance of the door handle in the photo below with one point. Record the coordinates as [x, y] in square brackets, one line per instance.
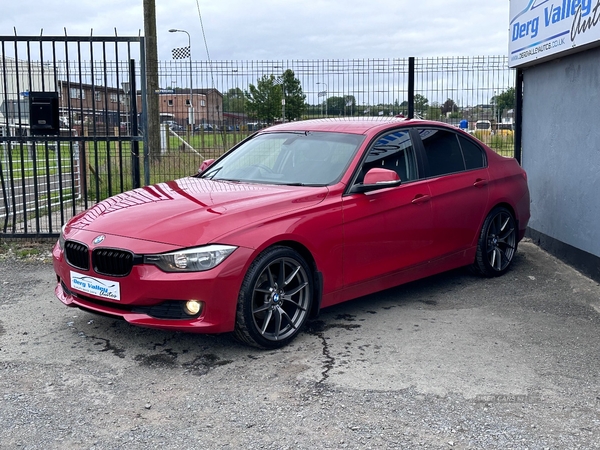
[480, 182]
[421, 198]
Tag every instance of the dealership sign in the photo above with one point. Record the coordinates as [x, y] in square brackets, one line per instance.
[541, 29]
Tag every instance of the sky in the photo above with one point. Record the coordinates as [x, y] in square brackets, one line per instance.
[282, 29]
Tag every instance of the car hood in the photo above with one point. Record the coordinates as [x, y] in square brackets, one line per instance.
[192, 211]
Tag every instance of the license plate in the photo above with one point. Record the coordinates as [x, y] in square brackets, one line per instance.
[96, 286]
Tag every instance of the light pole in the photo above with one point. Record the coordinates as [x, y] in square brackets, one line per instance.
[191, 111]
[325, 93]
[125, 85]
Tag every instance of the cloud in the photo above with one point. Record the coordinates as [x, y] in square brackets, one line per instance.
[275, 30]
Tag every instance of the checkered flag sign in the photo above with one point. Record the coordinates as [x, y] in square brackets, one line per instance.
[181, 53]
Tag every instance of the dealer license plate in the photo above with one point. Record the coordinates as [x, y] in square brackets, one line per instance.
[96, 286]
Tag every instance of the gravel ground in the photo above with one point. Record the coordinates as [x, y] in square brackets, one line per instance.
[451, 362]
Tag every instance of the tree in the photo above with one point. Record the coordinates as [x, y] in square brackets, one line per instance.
[336, 105]
[234, 100]
[421, 104]
[504, 101]
[403, 108]
[449, 106]
[263, 101]
[294, 97]
[434, 111]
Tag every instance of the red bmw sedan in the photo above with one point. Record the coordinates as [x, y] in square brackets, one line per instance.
[297, 217]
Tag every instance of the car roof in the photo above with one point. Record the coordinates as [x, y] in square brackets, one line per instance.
[355, 125]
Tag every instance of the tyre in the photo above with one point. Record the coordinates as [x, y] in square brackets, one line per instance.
[275, 299]
[497, 243]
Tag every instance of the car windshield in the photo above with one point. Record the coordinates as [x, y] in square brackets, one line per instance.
[302, 158]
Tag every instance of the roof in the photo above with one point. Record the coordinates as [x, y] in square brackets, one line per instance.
[356, 125]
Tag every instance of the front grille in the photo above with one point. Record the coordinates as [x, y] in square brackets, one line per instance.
[112, 262]
[77, 255]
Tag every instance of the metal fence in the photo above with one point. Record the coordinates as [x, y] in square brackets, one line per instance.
[48, 178]
[448, 89]
[205, 108]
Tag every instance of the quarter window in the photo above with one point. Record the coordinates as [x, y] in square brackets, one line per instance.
[474, 157]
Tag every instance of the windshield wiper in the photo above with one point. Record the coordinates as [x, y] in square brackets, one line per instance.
[226, 179]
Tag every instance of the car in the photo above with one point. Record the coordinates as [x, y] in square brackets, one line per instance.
[295, 218]
[204, 127]
[176, 127]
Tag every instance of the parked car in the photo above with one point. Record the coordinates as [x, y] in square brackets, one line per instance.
[204, 127]
[298, 217]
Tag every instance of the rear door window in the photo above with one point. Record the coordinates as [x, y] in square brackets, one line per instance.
[447, 152]
[442, 151]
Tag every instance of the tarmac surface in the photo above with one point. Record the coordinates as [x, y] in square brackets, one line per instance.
[452, 361]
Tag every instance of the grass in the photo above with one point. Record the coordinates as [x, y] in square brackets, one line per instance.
[45, 163]
[501, 142]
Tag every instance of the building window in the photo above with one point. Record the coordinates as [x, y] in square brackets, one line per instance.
[170, 102]
[77, 93]
[97, 96]
[187, 102]
[114, 98]
[202, 103]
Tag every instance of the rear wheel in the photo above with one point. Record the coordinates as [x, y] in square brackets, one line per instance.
[497, 243]
[275, 299]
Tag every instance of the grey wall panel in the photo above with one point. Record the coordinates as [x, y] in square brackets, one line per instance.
[561, 148]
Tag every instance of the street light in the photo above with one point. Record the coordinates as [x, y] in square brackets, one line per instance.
[280, 81]
[126, 86]
[191, 112]
[325, 91]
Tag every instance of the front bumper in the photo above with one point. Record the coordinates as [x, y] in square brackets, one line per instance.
[147, 292]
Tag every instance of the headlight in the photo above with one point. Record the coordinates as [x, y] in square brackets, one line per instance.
[191, 259]
[61, 238]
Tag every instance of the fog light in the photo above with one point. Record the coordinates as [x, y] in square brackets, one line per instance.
[192, 307]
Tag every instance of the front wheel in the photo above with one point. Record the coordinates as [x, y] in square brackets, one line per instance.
[497, 243]
[275, 299]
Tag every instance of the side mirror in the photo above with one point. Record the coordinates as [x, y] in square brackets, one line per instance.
[205, 165]
[376, 179]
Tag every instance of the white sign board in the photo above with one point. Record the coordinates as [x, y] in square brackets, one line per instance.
[540, 29]
[97, 286]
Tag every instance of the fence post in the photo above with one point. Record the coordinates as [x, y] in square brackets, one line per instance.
[411, 87]
[518, 114]
[135, 153]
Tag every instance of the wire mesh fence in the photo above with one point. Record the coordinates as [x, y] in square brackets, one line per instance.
[462, 91]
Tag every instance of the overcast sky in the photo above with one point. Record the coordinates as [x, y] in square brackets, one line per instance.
[282, 29]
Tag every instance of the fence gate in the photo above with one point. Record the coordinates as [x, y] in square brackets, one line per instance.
[83, 143]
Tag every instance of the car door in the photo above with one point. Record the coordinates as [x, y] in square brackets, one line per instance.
[389, 229]
[458, 180]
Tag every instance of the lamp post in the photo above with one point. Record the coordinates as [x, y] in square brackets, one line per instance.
[125, 85]
[325, 91]
[191, 111]
[280, 81]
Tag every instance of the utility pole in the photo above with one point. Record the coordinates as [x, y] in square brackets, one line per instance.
[153, 113]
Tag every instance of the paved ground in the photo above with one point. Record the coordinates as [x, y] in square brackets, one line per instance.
[454, 361]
